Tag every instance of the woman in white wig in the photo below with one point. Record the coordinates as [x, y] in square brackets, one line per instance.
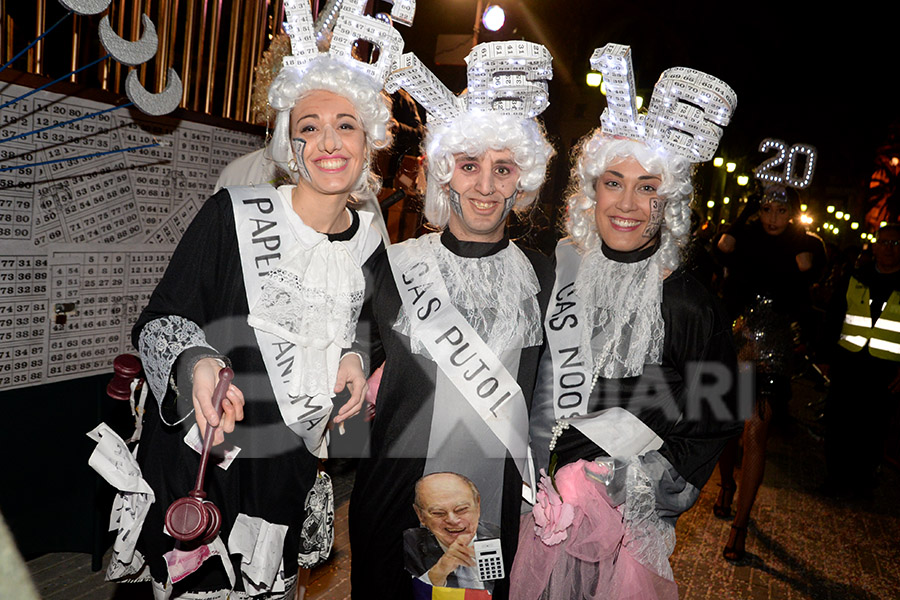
[635, 397]
[270, 282]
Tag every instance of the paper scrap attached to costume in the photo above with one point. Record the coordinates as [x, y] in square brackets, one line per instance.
[260, 545]
[115, 463]
[195, 441]
[182, 563]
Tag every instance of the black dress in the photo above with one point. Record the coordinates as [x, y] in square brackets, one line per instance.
[666, 397]
[274, 471]
[381, 506]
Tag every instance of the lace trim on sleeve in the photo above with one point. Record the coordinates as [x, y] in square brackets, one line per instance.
[160, 343]
[648, 538]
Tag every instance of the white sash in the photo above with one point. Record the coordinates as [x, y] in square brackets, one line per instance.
[264, 236]
[615, 430]
[484, 382]
[563, 324]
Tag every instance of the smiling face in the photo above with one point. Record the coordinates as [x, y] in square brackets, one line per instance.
[446, 505]
[774, 217]
[628, 212]
[482, 191]
[329, 143]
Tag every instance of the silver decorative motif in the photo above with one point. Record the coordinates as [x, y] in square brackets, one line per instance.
[125, 52]
[155, 104]
[504, 77]
[86, 7]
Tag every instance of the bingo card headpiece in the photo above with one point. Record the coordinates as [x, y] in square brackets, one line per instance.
[508, 78]
[687, 110]
[350, 23]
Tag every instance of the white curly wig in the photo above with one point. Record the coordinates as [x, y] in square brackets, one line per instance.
[594, 155]
[474, 134]
[373, 108]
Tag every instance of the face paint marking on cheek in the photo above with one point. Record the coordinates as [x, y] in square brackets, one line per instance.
[508, 202]
[454, 201]
[299, 145]
[656, 216]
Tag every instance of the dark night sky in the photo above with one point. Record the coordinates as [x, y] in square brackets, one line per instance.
[801, 73]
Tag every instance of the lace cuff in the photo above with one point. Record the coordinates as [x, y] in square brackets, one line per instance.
[162, 343]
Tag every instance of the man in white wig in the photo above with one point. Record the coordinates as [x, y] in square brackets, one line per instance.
[456, 316]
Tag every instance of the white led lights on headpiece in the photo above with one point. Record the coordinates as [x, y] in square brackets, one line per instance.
[686, 112]
[508, 78]
[350, 24]
[772, 171]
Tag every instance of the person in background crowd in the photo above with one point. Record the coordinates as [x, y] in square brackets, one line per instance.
[771, 264]
[864, 367]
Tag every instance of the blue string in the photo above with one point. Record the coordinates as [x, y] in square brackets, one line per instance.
[94, 155]
[27, 133]
[46, 85]
[37, 39]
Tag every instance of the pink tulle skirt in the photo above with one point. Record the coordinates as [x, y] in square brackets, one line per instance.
[590, 562]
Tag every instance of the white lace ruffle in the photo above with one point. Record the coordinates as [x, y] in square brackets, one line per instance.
[161, 342]
[649, 539]
[313, 299]
[624, 328]
[497, 295]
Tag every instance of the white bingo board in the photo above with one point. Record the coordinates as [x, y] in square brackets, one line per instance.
[92, 235]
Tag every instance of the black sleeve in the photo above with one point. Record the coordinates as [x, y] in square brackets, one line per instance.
[379, 282]
[202, 279]
[699, 343]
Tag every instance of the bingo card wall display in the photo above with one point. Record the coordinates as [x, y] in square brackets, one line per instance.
[84, 241]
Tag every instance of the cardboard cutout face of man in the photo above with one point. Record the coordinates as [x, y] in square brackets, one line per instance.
[446, 504]
[482, 191]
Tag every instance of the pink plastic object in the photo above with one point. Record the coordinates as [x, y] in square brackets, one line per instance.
[194, 518]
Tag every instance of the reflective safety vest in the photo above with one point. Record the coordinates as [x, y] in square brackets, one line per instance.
[883, 338]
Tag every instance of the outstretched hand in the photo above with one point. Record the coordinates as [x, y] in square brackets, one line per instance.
[206, 375]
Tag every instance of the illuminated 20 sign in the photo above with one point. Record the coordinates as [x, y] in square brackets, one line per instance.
[783, 168]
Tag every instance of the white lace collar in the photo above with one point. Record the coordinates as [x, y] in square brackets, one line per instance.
[313, 297]
[496, 294]
[624, 328]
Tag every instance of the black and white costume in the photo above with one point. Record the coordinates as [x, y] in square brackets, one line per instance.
[423, 423]
[306, 290]
[642, 369]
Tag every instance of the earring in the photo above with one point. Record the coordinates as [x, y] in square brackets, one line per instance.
[292, 165]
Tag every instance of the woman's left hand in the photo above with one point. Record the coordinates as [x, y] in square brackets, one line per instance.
[350, 375]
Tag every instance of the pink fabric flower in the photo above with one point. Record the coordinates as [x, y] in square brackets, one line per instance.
[552, 516]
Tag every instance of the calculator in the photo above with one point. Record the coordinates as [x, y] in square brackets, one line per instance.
[489, 559]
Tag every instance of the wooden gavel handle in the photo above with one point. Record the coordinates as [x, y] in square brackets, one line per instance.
[226, 376]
